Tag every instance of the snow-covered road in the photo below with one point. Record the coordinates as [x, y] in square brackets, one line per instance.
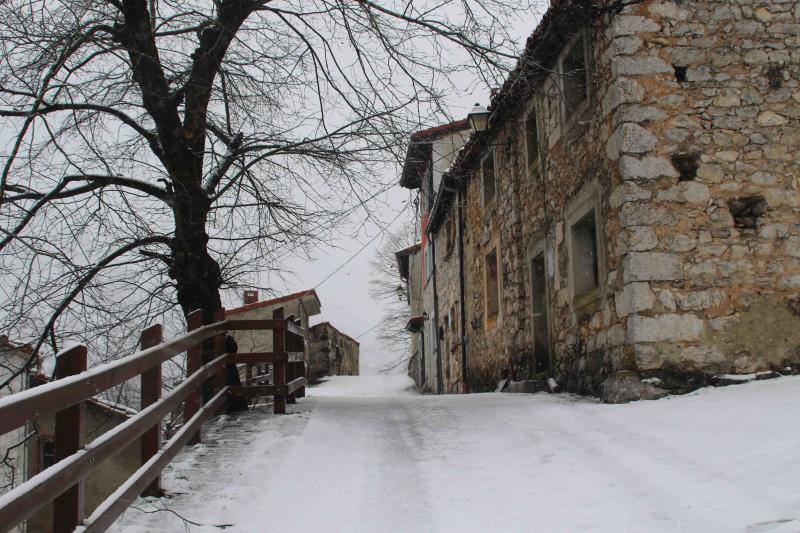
[366, 454]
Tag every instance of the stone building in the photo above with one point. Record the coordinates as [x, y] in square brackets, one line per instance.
[630, 214]
[331, 352]
[299, 305]
[430, 154]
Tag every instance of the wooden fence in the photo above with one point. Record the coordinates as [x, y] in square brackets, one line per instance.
[62, 483]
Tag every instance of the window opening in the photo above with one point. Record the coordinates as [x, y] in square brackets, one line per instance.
[574, 71]
[584, 255]
[541, 334]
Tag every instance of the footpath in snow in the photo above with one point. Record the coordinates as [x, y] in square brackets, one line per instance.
[368, 454]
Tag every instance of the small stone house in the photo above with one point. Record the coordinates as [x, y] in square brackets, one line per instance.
[628, 221]
[299, 305]
[331, 352]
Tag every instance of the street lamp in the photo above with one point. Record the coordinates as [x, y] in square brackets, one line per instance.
[401, 293]
[478, 118]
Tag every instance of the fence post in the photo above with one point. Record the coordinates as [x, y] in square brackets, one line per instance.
[279, 367]
[68, 507]
[219, 349]
[151, 393]
[194, 360]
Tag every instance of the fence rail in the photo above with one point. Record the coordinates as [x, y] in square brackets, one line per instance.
[61, 483]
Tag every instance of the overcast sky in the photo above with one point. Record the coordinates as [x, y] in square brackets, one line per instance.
[345, 296]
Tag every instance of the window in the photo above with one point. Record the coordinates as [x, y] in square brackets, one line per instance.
[573, 70]
[531, 139]
[585, 273]
[487, 175]
[492, 286]
[47, 453]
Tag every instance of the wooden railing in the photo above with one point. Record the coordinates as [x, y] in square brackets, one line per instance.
[206, 360]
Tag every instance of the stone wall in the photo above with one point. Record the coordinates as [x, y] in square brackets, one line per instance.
[710, 199]
[331, 352]
[687, 148]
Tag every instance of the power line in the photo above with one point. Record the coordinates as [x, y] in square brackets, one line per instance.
[381, 232]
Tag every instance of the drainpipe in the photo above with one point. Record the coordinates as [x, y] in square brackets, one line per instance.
[439, 385]
[464, 383]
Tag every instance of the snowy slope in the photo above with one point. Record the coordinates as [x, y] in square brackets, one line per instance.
[358, 455]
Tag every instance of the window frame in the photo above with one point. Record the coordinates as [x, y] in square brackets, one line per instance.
[533, 108]
[582, 37]
[585, 201]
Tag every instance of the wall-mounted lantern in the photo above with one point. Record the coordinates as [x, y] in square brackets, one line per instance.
[478, 118]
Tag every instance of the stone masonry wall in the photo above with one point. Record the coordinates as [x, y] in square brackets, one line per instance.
[530, 209]
[689, 148]
[707, 141]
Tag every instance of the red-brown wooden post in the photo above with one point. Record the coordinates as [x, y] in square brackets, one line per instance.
[68, 507]
[279, 367]
[151, 393]
[194, 360]
[219, 349]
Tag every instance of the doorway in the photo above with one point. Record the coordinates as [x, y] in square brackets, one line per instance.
[541, 331]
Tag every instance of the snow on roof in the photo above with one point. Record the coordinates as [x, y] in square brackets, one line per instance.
[309, 293]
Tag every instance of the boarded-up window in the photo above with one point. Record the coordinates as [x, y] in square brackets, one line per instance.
[531, 138]
[573, 68]
[584, 254]
[487, 174]
[492, 286]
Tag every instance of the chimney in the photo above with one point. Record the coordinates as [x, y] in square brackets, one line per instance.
[250, 296]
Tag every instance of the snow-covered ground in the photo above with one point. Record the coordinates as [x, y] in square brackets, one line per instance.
[366, 454]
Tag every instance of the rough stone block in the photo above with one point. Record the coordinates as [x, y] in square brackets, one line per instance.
[649, 167]
[699, 300]
[770, 118]
[633, 298]
[668, 10]
[651, 266]
[641, 239]
[630, 138]
[644, 214]
[622, 91]
[627, 191]
[664, 328]
[630, 25]
[639, 66]
[638, 113]
[625, 386]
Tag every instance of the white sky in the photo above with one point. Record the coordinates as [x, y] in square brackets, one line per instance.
[345, 296]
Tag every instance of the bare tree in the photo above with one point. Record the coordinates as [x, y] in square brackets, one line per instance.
[383, 282]
[159, 151]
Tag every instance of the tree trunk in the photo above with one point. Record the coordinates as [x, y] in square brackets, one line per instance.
[197, 275]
